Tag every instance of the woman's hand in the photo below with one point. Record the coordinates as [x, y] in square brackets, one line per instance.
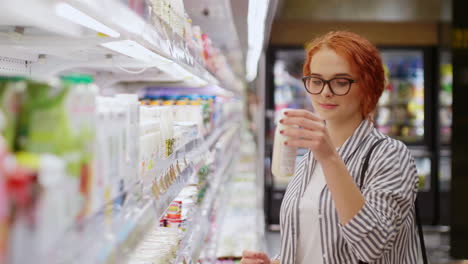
[254, 257]
[307, 130]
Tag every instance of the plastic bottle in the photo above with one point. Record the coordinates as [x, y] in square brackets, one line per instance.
[284, 157]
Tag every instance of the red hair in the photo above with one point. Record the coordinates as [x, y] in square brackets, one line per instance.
[364, 59]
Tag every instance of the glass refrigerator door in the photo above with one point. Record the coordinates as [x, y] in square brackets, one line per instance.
[400, 112]
[289, 89]
[445, 99]
[445, 130]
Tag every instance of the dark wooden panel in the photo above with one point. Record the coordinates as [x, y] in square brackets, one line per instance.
[296, 32]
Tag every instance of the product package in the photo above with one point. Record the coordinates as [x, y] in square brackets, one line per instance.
[284, 157]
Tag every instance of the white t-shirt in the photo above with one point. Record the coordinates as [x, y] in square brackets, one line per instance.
[309, 245]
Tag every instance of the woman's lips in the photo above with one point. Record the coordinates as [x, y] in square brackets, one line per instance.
[328, 106]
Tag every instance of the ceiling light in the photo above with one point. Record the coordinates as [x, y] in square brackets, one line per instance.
[69, 12]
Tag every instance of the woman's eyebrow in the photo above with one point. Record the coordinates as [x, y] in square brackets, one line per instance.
[316, 74]
[335, 75]
[342, 74]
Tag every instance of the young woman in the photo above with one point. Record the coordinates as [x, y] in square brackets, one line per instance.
[326, 217]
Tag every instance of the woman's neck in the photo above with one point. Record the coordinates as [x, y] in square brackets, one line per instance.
[341, 130]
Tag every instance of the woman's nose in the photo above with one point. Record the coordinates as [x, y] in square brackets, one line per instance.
[327, 91]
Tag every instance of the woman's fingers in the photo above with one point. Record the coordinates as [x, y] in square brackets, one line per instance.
[302, 113]
[303, 122]
[253, 254]
[252, 261]
[251, 257]
[299, 133]
[302, 143]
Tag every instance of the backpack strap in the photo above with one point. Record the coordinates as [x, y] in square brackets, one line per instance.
[420, 231]
[418, 222]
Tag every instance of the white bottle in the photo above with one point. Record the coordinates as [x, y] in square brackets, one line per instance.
[284, 157]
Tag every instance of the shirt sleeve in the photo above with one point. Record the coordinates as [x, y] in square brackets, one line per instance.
[389, 190]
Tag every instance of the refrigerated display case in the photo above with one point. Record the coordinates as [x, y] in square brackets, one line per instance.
[445, 98]
[289, 89]
[445, 135]
[400, 112]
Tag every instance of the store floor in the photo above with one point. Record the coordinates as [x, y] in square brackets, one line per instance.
[437, 244]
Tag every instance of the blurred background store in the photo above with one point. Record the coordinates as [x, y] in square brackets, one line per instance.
[141, 131]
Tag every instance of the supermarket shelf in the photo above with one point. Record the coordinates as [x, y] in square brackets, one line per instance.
[136, 229]
[192, 243]
[57, 42]
[198, 226]
[192, 150]
[139, 212]
[187, 152]
[244, 222]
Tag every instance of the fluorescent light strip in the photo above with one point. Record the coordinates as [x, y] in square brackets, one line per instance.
[69, 12]
[256, 34]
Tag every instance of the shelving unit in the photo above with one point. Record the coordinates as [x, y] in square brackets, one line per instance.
[125, 51]
[145, 211]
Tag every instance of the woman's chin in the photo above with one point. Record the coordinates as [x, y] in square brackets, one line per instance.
[325, 115]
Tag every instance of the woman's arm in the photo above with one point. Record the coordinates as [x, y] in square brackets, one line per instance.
[347, 197]
[369, 220]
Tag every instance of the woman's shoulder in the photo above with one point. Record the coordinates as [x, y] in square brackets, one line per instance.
[390, 147]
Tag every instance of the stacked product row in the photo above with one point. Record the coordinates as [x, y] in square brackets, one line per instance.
[68, 154]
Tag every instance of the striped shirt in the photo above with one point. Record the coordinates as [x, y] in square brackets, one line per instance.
[384, 230]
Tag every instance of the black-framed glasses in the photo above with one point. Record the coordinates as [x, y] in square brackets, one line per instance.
[338, 86]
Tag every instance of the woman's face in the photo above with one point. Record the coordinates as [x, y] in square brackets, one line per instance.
[327, 64]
